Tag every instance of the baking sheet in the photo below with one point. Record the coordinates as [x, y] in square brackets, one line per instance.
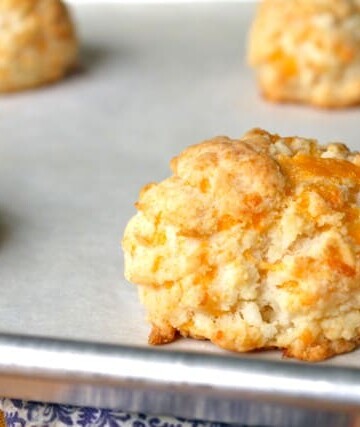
[153, 79]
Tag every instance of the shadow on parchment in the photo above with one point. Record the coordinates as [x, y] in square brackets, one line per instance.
[92, 57]
[5, 228]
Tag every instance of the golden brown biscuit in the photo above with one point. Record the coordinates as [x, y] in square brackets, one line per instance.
[308, 51]
[37, 43]
[252, 244]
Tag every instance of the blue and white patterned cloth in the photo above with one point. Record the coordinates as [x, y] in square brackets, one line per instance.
[31, 414]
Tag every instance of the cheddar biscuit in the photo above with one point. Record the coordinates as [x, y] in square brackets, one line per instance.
[308, 51]
[252, 244]
[37, 43]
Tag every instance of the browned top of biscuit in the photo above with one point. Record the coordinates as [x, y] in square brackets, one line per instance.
[220, 182]
[215, 195]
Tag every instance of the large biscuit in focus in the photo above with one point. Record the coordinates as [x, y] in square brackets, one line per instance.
[252, 244]
[37, 43]
[308, 51]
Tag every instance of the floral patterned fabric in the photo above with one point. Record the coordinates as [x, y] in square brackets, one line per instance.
[32, 414]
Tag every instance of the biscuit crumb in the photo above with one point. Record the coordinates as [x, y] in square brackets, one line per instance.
[159, 336]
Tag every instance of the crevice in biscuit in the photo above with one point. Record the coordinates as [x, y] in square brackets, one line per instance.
[267, 313]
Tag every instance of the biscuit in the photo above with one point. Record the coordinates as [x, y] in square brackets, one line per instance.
[37, 43]
[252, 244]
[307, 51]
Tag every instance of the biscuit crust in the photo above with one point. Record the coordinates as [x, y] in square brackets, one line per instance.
[38, 43]
[252, 244]
[307, 51]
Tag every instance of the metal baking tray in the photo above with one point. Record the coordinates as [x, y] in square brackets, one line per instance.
[73, 156]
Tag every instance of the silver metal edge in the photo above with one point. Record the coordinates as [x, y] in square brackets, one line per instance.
[90, 374]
